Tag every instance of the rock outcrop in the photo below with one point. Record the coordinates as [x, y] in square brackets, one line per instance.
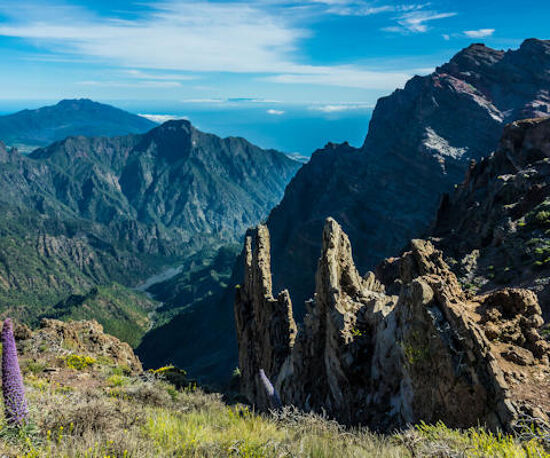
[420, 142]
[271, 337]
[398, 347]
[495, 228]
[76, 337]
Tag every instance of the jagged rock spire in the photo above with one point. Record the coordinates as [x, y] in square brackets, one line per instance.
[265, 325]
[371, 358]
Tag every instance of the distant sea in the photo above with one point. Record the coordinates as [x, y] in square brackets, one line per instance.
[289, 128]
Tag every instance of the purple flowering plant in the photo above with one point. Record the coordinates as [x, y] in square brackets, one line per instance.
[13, 391]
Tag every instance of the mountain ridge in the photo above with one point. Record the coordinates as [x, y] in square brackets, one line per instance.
[101, 211]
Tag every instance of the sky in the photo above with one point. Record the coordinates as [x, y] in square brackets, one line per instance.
[330, 59]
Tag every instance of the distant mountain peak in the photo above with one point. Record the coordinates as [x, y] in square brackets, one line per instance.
[29, 129]
[535, 44]
[82, 101]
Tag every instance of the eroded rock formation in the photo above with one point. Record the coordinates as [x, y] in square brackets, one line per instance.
[384, 350]
[264, 322]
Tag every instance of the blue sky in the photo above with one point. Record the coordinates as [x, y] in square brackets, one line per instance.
[328, 52]
[331, 56]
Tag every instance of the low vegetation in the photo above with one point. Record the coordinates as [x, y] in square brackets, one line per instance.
[111, 413]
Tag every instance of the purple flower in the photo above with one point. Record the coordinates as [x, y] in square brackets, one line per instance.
[272, 394]
[13, 391]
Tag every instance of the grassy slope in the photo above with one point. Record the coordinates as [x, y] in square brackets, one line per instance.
[98, 411]
[38, 281]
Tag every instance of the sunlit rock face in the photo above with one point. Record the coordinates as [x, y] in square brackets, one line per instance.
[495, 227]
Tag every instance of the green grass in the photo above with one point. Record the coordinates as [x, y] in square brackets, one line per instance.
[131, 417]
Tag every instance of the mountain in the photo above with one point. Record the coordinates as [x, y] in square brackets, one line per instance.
[420, 142]
[495, 227]
[29, 129]
[87, 216]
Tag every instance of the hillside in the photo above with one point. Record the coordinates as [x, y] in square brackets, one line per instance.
[420, 142]
[88, 212]
[29, 129]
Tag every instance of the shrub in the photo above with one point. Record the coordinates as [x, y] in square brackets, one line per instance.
[79, 362]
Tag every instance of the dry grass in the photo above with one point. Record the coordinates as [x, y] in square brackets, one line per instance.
[146, 417]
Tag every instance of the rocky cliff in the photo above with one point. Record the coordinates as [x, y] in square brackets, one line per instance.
[495, 227]
[420, 142]
[398, 347]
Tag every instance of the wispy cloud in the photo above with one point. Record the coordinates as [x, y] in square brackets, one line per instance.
[272, 111]
[480, 33]
[196, 36]
[416, 21]
[346, 76]
[229, 100]
[154, 76]
[174, 35]
[363, 8]
[137, 84]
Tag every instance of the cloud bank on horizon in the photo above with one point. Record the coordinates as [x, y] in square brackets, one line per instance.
[334, 51]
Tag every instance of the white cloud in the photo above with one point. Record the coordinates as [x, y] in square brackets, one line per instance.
[160, 118]
[363, 8]
[205, 100]
[446, 36]
[415, 21]
[272, 111]
[336, 108]
[174, 35]
[151, 76]
[345, 76]
[480, 33]
[229, 100]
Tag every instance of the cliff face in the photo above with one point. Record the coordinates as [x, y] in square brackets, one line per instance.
[495, 227]
[399, 347]
[420, 142]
